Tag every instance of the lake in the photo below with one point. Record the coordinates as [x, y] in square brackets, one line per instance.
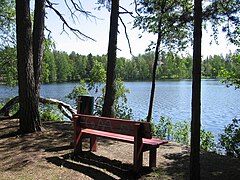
[172, 99]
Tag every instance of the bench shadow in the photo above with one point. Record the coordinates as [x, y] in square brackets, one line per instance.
[89, 171]
[59, 148]
[95, 166]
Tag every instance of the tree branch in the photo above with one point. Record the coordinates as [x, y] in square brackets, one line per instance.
[125, 29]
[126, 11]
[76, 32]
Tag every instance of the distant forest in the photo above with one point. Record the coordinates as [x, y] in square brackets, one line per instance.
[59, 66]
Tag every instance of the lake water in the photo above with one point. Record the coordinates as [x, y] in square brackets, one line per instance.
[172, 99]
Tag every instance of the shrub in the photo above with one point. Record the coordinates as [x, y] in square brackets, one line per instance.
[120, 105]
[230, 139]
[78, 90]
[207, 141]
[163, 129]
[50, 113]
[180, 132]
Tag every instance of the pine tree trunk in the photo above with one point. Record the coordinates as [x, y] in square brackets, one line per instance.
[196, 93]
[149, 116]
[28, 104]
[38, 38]
[108, 106]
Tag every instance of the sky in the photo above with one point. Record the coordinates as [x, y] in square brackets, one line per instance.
[98, 29]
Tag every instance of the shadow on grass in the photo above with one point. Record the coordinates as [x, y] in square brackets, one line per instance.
[89, 171]
[59, 148]
[10, 134]
[97, 167]
[179, 166]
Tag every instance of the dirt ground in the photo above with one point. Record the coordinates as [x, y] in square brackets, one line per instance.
[48, 155]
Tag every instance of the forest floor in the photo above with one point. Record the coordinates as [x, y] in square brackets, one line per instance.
[48, 155]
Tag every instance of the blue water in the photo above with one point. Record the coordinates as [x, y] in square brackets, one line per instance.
[172, 99]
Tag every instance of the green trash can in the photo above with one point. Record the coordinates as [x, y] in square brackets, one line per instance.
[85, 105]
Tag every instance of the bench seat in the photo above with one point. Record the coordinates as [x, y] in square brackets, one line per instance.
[124, 138]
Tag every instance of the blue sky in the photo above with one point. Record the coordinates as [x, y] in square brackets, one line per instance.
[98, 29]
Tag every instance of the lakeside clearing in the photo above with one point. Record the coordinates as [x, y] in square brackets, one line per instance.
[48, 155]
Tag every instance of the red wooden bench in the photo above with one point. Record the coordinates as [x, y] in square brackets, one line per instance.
[137, 133]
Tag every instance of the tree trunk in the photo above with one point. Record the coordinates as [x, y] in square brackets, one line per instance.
[196, 93]
[108, 106]
[28, 104]
[38, 38]
[149, 116]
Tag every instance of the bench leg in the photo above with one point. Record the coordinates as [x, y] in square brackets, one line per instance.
[77, 136]
[78, 147]
[152, 157]
[137, 163]
[93, 143]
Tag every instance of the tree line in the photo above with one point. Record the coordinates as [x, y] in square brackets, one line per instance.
[59, 66]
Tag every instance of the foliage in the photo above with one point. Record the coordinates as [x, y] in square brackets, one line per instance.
[74, 67]
[231, 75]
[50, 113]
[120, 105]
[7, 23]
[224, 16]
[8, 65]
[230, 139]
[78, 90]
[97, 74]
[164, 18]
[1, 105]
[169, 19]
[207, 141]
[180, 132]
[164, 128]
[49, 68]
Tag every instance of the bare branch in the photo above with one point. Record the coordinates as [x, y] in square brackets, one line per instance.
[71, 12]
[76, 32]
[125, 29]
[126, 11]
[49, 32]
[135, 2]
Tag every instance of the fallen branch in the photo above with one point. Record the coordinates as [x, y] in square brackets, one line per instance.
[5, 111]
[62, 106]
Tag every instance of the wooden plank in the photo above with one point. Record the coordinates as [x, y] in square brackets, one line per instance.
[123, 138]
[118, 126]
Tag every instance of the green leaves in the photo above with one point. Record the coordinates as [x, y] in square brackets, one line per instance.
[230, 139]
[231, 75]
[174, 17]
[180, 132]
[78, 90]
[224, 16]
[7, 23]
[8, 65]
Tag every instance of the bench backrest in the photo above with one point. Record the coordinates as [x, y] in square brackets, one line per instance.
[114, 125]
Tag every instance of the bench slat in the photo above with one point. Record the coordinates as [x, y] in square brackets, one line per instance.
[124, 138]
[119, 126]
